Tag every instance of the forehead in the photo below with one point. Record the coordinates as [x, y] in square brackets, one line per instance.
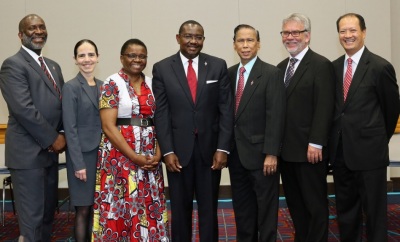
[292, 24]
[349, 21]
[192, 28]
[33, 20]
[134, 48]
[86, 47]
[246, 32]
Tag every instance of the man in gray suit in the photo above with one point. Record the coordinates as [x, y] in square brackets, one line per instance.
[258, 128]
[31, 87]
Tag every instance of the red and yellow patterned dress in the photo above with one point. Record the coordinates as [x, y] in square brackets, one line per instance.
[129, 202]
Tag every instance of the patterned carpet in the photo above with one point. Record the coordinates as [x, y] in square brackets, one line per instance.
[63, 226]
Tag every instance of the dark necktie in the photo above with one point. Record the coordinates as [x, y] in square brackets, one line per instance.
[240, 87]
[290, 71]
[192, 80]
[46, 71]
[347, 78]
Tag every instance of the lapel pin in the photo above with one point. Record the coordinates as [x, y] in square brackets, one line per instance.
[205, 63]
[251, 83]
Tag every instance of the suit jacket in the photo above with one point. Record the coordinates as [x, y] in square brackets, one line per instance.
[309, 108]
[81, 119]
[34, 111]
[258, 125]
[366, 121]
[178, 119]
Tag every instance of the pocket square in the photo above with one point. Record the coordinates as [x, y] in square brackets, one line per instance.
[211, 81]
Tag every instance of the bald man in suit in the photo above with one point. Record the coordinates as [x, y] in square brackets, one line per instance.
[33, 138]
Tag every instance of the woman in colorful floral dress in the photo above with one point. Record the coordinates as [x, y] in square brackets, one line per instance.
[129, 197]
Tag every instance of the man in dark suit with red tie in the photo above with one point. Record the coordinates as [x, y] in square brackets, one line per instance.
[258, 127]
[193, 119]
[310, 87]
[31, 87]
[366, 112]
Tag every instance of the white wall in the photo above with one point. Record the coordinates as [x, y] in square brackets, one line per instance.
[110, 23]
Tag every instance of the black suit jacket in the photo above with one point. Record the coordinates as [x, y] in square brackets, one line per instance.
[178, 119]
[258, 126]
[366, 121]
[309, 107]
[34, 111]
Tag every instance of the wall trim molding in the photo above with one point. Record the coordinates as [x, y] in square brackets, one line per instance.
[3, 128]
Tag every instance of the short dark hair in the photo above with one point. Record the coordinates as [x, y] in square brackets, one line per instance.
[189, 22]
[132, 42]
[245, 26]
[358, 16]
[22, 23]
[81, 42]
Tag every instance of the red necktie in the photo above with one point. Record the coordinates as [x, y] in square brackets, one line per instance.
[240, 87]
[347, 78]
[46, 71]
[192, 80]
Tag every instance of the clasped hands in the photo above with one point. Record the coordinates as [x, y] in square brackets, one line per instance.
[59, 145]
[148, 162]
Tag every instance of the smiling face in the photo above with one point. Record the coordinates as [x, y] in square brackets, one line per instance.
[134, 59]
[351, 36]
[86, 58]
[246, 44]
[294, 45]
[33, 33]
[191, 40]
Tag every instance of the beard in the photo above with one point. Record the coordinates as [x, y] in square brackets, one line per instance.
[28, 42]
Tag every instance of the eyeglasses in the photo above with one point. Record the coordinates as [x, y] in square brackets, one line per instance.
[189, 37]
[295, 33]
[134, 56]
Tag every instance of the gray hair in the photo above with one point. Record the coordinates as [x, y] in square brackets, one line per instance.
[300, 18]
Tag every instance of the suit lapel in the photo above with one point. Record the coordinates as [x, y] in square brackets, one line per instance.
[251, 84]
[87, 90]
[179, 71]
[358, 76]
[299, 72]
[35, 66]
[201, 76]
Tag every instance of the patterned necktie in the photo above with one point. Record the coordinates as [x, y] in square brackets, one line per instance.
[192, 80]
[240, 87]
[290, 71]
[46, 71]
[347, 78]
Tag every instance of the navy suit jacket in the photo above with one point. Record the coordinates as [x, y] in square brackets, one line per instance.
[34, 106]
[178, 119]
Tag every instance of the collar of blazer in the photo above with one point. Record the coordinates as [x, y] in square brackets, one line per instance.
[87, 89]
[358, 76]
[303, 65]
[179, 72]
[251, 85]
[35, 66]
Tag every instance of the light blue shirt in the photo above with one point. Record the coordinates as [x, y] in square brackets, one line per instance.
[246, 74]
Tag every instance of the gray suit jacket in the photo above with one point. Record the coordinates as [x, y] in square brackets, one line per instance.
[34, 111]
[81, 119]
[259, 121]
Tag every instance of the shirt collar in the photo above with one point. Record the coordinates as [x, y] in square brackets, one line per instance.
[356, 57]
[32, 53]
[300, 55]
[185, 60]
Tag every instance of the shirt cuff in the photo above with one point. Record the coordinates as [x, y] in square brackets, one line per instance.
[316, 146]
[227, 152]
